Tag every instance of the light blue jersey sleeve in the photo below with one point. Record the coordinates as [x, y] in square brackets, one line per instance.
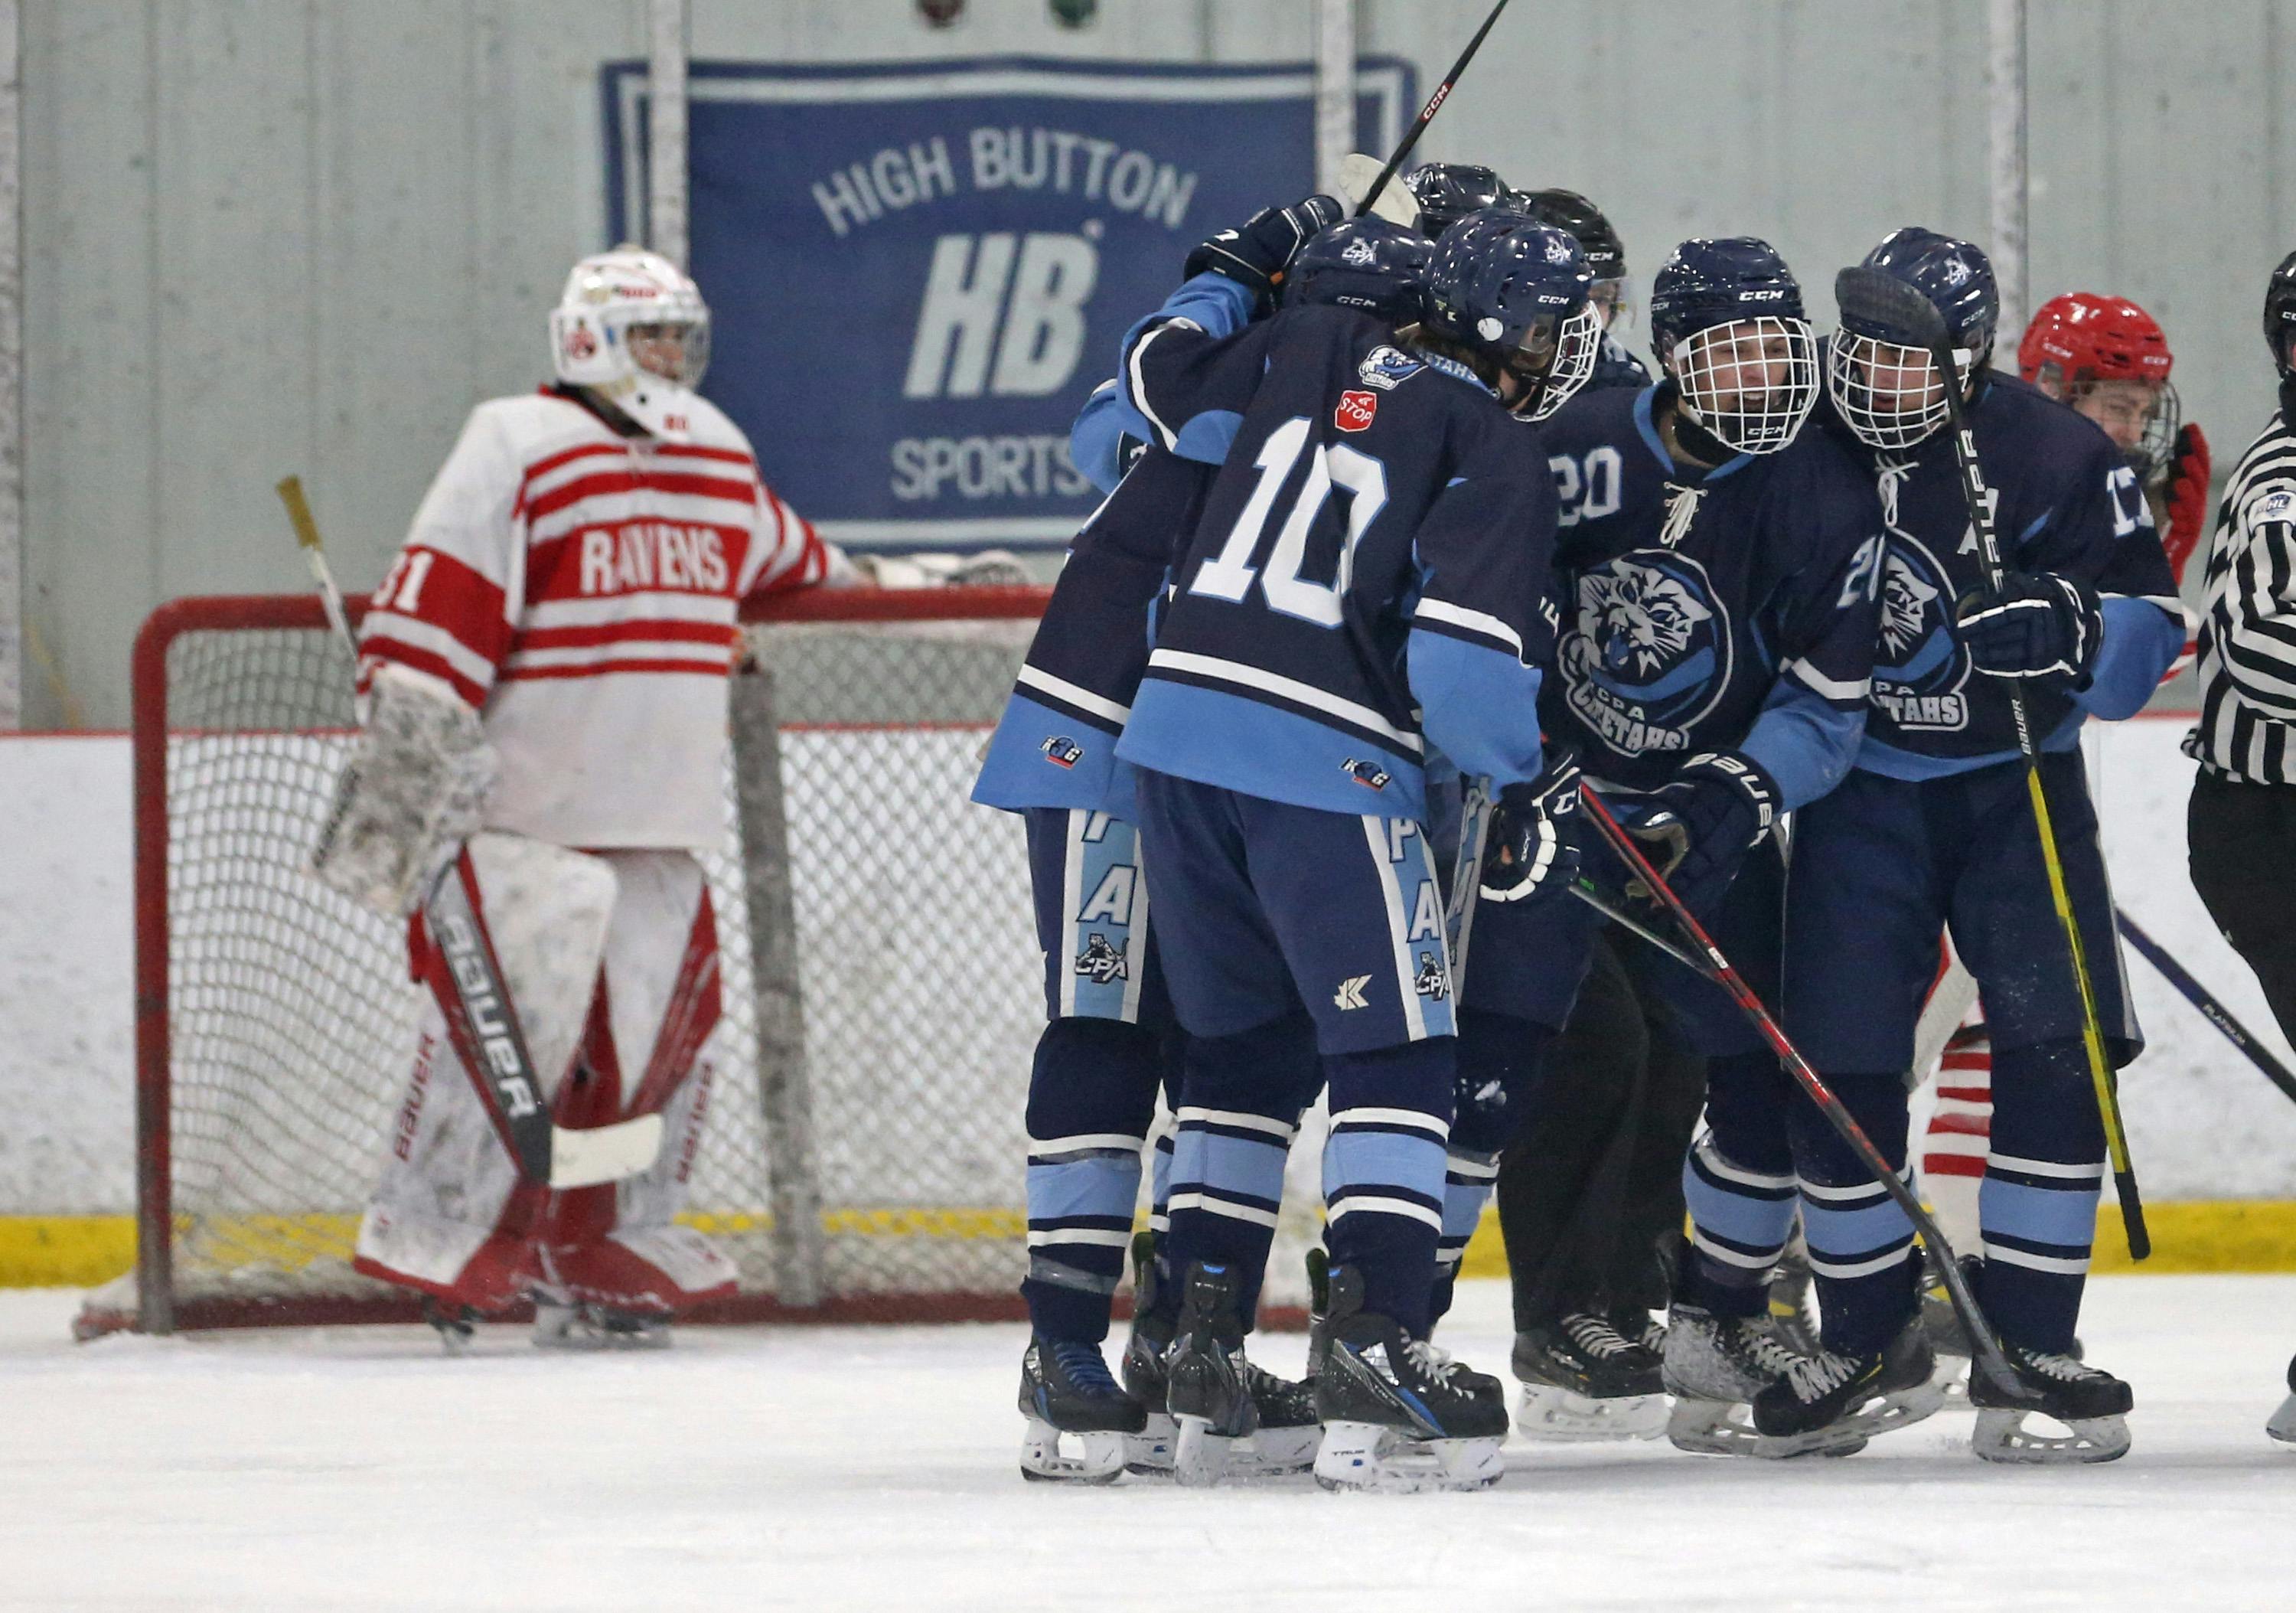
[1187, 405]
[2141, 642]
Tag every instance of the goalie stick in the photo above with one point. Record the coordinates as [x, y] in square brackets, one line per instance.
[1987, 1355]
[480, 1019]
[1896, 306]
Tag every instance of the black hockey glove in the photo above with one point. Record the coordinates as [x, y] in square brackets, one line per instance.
[1715, 809]
[2043, 624]
[1258, 254]
[1525, 851]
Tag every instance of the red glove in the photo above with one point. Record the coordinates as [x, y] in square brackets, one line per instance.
[2188, 497]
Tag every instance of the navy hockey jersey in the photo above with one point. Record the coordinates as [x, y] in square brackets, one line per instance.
[1729, 611]
[2064, 503]
[1367, 575]
[1056, 746]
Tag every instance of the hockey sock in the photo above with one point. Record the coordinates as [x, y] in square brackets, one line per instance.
[1961, 1122]
[1497, 1063]
[1091, 1096]
[1384, 1170]
[2038, 1202]
[1173, 1051]
[1861, 1244]
[1738, 1183]
[1239, 1109]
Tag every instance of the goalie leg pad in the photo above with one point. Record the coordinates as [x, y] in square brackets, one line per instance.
[450, 1213]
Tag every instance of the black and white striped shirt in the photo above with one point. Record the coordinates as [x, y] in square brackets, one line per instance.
[2248, 631]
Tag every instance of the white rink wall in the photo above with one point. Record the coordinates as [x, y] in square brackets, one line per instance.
[2202, 1124]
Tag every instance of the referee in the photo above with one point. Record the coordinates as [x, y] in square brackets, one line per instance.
[2242, 828]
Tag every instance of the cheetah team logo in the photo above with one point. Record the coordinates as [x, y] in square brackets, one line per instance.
[1101, 963]
[1919, 666]
[1431, 982]
[1647, 653]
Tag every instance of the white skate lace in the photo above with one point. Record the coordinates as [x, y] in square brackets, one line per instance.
[1595, 1336]
[1432, 1361]
[2064, 1368]
[1815, 1377]
[1768, 1356]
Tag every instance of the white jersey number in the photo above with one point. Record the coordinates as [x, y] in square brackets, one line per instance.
[1228, 575]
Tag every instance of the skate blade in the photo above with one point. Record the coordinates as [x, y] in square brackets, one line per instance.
[1199, 1455]
[2282, 1424]
[1368, 1457]
[1712, 1427]
[1269, 1453]
[566, 1328]
[1555, 1415]
[1897, 1409]
[2002, 1436]
[1049, 1456]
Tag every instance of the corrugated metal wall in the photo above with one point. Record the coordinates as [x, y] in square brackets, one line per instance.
[264, 235]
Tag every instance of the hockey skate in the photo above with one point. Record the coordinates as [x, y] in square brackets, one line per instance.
[2093, 1405]
[1583, 1380]
[1079, 1422]
[1715, 1366]
[1398, 1415]
[2282, 1426]
[1289, 1428]
[457, 1325]
[1793, 1305]
[1831, 1402]
[1204, 1386]
[576, 1324]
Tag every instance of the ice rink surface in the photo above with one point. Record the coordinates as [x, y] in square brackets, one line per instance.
[874, 1469]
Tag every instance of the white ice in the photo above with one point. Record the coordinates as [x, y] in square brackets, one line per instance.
[873, 1468]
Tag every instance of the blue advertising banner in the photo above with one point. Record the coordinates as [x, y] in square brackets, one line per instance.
[917, 271]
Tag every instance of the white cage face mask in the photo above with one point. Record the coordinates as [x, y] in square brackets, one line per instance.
[1577, 344]
[1751, 383]
[1889, 394]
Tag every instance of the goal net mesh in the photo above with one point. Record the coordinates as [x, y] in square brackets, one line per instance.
[288, 1014]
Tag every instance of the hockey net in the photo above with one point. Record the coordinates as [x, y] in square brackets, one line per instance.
[864, 1150]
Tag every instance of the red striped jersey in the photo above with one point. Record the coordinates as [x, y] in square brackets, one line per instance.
[581, 589]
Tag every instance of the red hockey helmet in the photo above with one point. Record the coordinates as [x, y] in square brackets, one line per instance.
[2082, 338]
[2086, 337]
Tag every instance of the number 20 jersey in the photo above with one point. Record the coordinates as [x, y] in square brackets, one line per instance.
[1367, 575]
[1728, 610]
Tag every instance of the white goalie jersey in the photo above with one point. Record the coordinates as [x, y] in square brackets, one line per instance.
[581, 590]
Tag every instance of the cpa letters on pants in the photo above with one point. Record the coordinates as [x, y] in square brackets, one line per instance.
[610, 962]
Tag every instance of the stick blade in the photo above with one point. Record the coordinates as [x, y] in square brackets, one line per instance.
[1394, 202]
[1883, 305]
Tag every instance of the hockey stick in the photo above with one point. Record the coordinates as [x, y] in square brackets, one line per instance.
[1882, 300]
[1587, 891]
[1427, 113]
[482, 1021]
[1467, 872]
[1986, 1348]
[2202, 999]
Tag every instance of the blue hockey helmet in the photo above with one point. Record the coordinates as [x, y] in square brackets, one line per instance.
[1727, 322]
[1883, 381]
[1448, 192]
[1514, 293]
[1366, 263]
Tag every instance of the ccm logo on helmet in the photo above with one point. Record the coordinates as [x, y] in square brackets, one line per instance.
[1355, 410]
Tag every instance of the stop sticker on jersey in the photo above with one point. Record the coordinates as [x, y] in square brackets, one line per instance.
[1355, 410]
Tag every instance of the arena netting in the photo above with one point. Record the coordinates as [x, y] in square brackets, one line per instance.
[869, 1163]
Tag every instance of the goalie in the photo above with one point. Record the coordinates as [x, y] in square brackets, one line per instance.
[544, 673]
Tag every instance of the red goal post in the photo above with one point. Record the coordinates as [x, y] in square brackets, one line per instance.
[864, 1157]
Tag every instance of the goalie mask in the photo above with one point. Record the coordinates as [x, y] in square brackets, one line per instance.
[1885, 385]
[1726, 319]
[632, 328]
